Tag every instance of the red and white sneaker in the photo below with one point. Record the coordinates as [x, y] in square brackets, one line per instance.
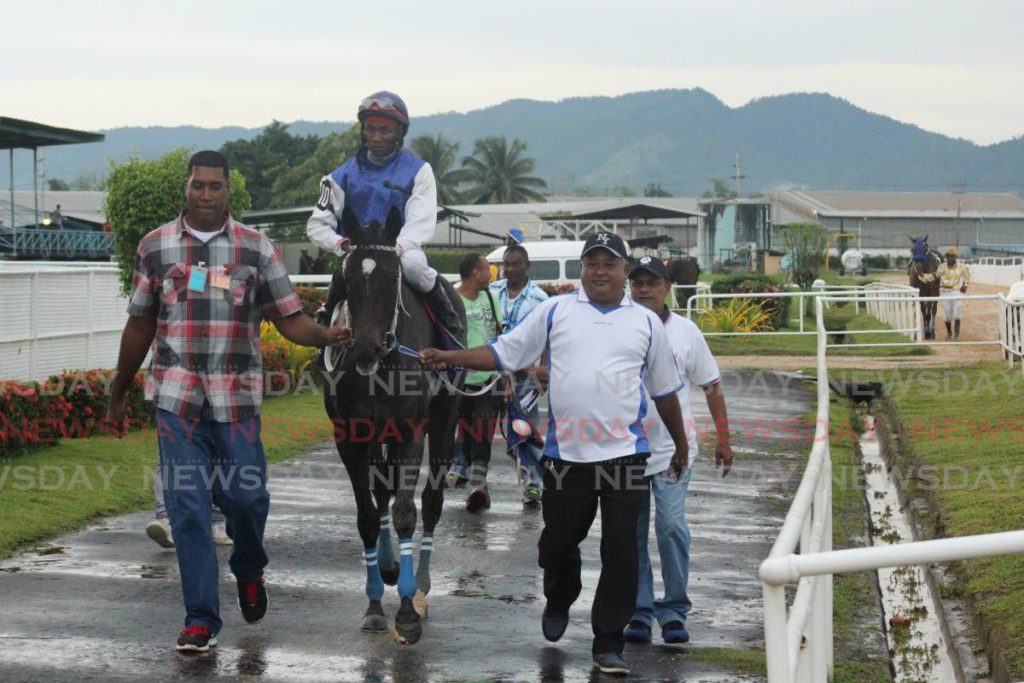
[195, 639]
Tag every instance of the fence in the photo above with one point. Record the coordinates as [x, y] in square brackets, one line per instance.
[59, 318]
[1000, 272]
[893, 304]
[798, 639]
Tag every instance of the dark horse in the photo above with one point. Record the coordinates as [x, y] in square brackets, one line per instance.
[684, 272]
[922, 269]
[382, 404]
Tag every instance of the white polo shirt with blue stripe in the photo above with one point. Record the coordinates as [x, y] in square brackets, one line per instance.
[606, 364]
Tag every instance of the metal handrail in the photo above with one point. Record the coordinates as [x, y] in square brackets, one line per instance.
[798, 641]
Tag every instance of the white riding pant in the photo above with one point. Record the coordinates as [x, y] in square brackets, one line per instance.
[952, 304]
[416, 271]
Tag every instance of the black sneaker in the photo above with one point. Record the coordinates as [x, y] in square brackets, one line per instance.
[675, 632]
[553, 624]
[195, 639]
[252, 600]
[611, 663]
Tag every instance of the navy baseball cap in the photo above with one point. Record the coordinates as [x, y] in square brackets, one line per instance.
[604, 240]
[652, 265]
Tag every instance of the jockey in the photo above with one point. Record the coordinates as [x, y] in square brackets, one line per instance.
[380, 176]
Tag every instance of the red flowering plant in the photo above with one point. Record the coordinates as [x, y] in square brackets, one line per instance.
[311, 297]
[28, 419]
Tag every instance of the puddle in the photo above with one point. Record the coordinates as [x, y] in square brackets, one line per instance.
[918, 649]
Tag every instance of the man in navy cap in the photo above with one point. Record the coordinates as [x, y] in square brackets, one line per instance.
[608, 358]
[649, 286]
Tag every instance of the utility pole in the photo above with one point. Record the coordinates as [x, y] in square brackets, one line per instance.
[738, 174]
[958, 191]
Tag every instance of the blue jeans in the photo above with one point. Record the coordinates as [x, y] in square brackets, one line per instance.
[160, 510]
[673, 536]
[200, 457]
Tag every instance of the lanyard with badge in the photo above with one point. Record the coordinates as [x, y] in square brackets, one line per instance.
[510, 319]
[199, 274]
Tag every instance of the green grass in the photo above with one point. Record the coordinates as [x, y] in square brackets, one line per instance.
[974, 431]
[856, 609]
[836, 319]
[67, 486]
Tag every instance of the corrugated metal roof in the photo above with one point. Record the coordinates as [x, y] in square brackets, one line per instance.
[17, 133]
[87, 205]
[903, 204]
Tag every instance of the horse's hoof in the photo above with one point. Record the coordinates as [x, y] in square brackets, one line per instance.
[407, 629]
[374, 620]
[419, 603]
[390, 575]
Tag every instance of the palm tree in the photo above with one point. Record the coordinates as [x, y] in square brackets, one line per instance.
[499, 174]
[441, 156]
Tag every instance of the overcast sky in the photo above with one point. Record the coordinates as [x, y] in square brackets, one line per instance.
[950, 67]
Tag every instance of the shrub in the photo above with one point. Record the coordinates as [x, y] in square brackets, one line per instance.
[737, 315]
[447, 260]
[311, 298]
[747, 283]
[68, 405]
[879, 262]
[282, 356]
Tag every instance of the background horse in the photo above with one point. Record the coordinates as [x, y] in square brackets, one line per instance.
[382, 404]
[683, 272]
[922, 269]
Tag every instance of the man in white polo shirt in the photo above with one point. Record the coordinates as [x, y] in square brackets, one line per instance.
[649, 285]
[608, 358]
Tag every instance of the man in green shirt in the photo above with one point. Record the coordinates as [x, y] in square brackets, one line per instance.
[478, 415]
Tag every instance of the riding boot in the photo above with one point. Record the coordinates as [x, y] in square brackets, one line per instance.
[335, 296]
[956, 330]
[949, 330]
[439, 302]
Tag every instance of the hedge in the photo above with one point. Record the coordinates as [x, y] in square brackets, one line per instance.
[747, 283]
[71, 404]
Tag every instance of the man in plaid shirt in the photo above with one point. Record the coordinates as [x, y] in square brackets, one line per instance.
[202, 285]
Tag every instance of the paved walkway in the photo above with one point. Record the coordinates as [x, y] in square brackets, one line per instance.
[108, 603]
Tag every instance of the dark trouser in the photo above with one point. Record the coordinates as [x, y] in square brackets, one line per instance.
[572, 493]
[478, 418]
[200, 457]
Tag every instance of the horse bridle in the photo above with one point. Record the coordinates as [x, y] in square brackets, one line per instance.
[390, 342]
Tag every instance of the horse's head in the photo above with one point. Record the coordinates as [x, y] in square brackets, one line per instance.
[373, 277]
[920, 247]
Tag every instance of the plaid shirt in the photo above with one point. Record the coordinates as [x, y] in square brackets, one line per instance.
[208, 342]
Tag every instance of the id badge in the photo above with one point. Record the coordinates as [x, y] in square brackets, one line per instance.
[197, 278]
[220, 279]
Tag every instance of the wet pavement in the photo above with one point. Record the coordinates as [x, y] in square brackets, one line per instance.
[107, 605]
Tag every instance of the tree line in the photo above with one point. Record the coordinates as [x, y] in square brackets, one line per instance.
[283, 170]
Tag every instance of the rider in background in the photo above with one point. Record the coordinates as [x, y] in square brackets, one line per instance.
[953, 279]
[380, 176]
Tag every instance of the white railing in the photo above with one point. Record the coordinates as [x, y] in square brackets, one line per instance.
[59, 319]
[798, 639]
[893, 304]
[1011, 331]
[998, 272]
[701, 300]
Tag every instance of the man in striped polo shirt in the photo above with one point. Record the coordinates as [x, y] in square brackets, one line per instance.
[203, 283]
[608, 357]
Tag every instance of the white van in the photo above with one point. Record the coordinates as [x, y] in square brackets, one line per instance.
[555, 261]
